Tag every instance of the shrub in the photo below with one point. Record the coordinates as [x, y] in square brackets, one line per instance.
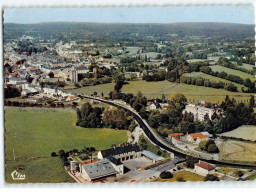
[180, 179]
[166, 175]
[210, 177]
[53, 154]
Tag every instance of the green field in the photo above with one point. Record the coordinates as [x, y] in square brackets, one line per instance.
[156, 89]
[232, 71]
[186, 175]
[35, 134]
[213, 78]
[248, 66]
[246, 132]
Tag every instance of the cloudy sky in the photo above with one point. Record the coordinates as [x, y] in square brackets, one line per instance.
[229, 14]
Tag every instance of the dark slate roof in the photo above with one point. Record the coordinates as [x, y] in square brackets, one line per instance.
[120, 150]
[114, 160]
[82, 68]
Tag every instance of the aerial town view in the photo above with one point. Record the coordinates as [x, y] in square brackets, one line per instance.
[105, 99]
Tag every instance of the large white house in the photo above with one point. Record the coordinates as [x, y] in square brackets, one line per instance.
[198, 111]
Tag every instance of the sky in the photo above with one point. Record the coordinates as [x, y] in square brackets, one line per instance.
[172, 14]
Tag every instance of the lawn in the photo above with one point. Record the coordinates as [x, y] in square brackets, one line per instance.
[186, 175]
[156, 89]
[213, 78]
[246, 132]
[232, 71]
[36, 133]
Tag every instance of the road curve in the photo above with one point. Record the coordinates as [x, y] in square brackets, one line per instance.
[150, 135]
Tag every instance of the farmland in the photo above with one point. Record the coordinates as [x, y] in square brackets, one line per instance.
[245, 132]
[212, 78]
[35, 133]
[156, 89]
[237, 150]
[232, 71]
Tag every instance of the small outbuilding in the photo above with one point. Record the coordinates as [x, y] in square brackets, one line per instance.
[204, 168]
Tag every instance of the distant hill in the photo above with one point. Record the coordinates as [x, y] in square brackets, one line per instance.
[118, 30]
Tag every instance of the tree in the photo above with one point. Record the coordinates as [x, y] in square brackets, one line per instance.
[202, 145]
[210, 177]
[11, 92]
[89, 151]
[212, 148]
[166, 175]
[252, 101]
[51, 74]
[190, 162]
[61, 153]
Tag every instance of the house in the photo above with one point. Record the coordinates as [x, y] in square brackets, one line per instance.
[122, 153]
[155, 105]
[97, 170]
[204, 168]
[197, 137]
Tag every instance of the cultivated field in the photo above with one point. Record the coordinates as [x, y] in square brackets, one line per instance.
[232, 71]
[247, 132]
[156, 89]
[237, 150]
[36, 133]
[213, 78]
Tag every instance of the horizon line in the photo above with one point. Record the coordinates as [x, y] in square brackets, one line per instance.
[125, 22]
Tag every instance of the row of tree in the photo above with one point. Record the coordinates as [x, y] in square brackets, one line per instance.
[208, 83]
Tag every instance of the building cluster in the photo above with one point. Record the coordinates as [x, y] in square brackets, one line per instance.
[111, 162]
[179, 139]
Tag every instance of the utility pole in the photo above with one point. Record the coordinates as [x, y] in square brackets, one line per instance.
[13, 154]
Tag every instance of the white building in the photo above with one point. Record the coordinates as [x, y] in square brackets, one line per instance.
[204, 168]
[198, 111]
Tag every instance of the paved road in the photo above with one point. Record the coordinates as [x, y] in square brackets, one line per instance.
[155, 140]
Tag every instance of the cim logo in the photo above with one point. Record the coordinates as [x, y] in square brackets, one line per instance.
[17, 176]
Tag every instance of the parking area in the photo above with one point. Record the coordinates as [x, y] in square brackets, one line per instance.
[137, 163]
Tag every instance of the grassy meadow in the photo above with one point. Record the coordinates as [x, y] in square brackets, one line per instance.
[156, 89]
[34, 133]
[213, 79]
[232, 71]
[247, 132]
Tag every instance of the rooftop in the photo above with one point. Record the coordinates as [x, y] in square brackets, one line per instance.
[99, 169]
[205, 165]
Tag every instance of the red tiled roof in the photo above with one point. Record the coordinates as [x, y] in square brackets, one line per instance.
[89, 161]
[176, 134]
[205, 165]
[177, 139]
[198, 135]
